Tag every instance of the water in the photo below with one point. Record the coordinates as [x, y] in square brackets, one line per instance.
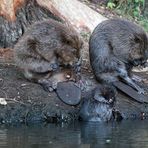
[125, 134]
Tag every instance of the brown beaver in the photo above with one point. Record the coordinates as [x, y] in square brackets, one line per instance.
[116, 46]
[45, 47]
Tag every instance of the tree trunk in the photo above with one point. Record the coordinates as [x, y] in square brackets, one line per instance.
[21, 14]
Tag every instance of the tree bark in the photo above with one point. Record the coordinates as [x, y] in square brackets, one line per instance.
[21, 14]
[8, 8]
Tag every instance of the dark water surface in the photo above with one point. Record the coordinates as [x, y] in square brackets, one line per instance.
[125, 134]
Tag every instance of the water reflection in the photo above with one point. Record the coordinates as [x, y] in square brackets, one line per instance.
[126, 134]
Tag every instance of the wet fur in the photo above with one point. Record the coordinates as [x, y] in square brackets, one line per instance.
[98, 104]
[116, 46]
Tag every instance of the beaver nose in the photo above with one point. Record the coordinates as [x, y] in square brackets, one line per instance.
[136, 63]
[69, 65]
[140, 61]
[110, 100]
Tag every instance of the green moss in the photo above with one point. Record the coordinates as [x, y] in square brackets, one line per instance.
[131, 9]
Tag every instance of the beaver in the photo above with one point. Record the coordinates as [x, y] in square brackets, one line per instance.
[115, 47]
[98, 104]
[45, 47]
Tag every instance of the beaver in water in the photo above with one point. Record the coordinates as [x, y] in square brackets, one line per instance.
[98, 104]
[47, 46]
[115, 46]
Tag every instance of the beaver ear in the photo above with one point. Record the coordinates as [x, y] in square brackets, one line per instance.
[32, 43]
[69, 34]
[58, 52]
[66, 38]
[137, 39]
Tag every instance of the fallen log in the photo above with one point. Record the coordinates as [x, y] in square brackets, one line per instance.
[78, 14]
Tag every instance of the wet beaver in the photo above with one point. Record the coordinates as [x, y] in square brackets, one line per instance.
[98, 104]
[45, 47]
[116, 46]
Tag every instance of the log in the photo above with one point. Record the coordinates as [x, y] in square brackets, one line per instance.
[79, 15]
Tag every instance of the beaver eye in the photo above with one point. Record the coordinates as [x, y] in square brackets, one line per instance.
[138, 39]
[68, 42]
[74, 51]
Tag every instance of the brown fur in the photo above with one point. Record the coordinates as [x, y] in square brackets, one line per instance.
[45, 47]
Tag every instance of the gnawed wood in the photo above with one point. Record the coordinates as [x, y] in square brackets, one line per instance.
[78, 14]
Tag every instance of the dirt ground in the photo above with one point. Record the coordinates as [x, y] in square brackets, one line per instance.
[27, 102]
